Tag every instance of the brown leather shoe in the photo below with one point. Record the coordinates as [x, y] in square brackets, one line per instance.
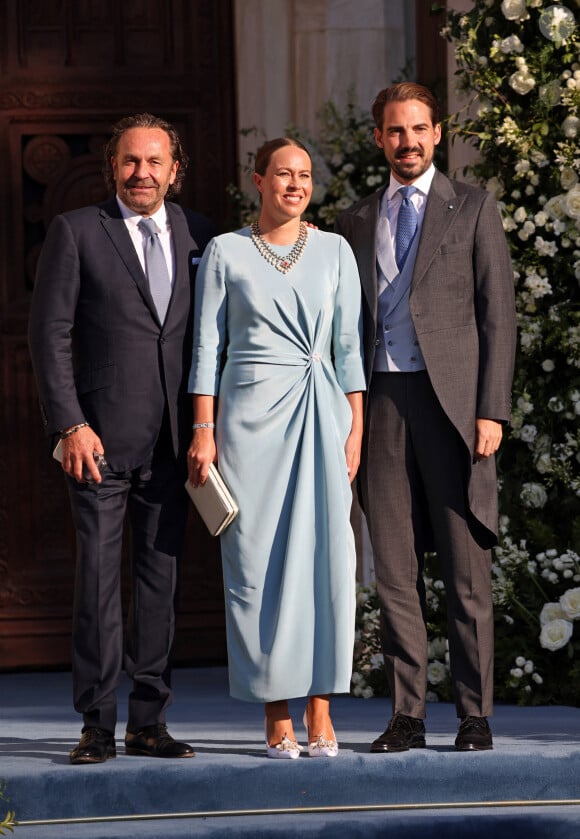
[155, 741]
[474, 735]
[402, 733]
[95, 746]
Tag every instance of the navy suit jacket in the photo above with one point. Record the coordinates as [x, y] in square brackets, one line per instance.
[98, 349]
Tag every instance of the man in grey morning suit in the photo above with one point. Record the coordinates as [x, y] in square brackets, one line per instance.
[439, 323]
[110, 338]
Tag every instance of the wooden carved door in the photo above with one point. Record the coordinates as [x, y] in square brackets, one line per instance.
[68, 70]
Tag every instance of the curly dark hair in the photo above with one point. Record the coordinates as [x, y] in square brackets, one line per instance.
[145, 121]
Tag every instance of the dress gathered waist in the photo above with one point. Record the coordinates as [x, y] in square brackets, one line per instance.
[298, 359]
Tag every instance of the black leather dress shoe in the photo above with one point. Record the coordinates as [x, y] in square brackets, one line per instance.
[474, 735]
[155, 741]
[401, 734]
[95, 746]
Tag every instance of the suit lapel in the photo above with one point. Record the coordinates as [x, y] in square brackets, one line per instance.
[116, 230]
[364, 240]
[182, 245]
[441, 210]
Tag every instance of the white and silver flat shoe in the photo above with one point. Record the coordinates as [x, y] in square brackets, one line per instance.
[286, 749]
[321, 747]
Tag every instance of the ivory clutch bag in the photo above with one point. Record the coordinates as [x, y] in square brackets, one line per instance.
[214, 502]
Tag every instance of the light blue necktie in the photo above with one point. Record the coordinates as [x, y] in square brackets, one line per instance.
[157, 273]
[406, 225]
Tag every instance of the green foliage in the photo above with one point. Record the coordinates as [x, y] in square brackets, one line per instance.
[9, 820]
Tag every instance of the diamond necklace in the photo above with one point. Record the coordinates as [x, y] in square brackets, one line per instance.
[280, 263]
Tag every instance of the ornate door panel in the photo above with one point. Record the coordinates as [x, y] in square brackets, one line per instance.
[68, 70]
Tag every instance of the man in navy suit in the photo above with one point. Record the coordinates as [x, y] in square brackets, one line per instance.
[111, 363]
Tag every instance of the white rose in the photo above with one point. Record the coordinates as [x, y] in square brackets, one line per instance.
[548, 365]
[436, 673]
[568, 178]
[520, 215]
[556, 634]
[572, 202]
[545, 248]
[526, 231]
[570, 603]
[514, 9]
[571, 125]
[544, 464]
[511, 44]
[522, 82]
[528, 433]
[551, 612]
[556, 207]
[533, 495]
[541, 218]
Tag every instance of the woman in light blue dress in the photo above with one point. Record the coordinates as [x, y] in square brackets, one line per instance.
[283, 301]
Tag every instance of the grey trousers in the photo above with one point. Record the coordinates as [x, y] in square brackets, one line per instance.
[413, 482]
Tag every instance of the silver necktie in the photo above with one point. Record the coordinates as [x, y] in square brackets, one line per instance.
[157, 273]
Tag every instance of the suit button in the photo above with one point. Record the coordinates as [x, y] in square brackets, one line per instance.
[377, 343]
[390, 343]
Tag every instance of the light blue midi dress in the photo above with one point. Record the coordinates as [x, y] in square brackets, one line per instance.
[293, 346]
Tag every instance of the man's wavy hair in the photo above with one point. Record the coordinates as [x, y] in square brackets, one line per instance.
[402, 92]
[145, 121]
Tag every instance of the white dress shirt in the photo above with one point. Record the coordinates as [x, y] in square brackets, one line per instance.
[138, 237]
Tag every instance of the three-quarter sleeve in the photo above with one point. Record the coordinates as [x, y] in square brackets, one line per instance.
[347, 323]
[209, 322]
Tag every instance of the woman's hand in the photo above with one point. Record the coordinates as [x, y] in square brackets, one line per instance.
[202, 450]
[353, 443]
[352, 451]
[201, 453]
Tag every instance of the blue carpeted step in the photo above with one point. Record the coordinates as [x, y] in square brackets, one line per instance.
[248, 780]
[536, 758]
[511, 823]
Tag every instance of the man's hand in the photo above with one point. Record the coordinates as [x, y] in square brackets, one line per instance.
[488, 434]
[77, 455]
